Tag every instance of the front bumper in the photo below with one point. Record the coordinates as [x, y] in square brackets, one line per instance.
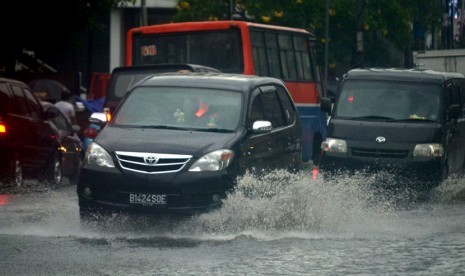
[414, 169]
[185, 192]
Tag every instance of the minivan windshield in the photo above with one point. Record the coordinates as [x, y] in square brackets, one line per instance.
[180, 108]
[388, 100]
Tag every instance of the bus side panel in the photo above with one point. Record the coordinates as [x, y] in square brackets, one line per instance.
[313, 120]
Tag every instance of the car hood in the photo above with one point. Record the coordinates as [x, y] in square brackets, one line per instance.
[195, 143]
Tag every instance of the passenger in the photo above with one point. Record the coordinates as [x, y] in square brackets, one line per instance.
[66, 107]
[423, 109]
[201, 113]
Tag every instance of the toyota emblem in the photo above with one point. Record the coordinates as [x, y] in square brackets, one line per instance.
[150, 160]
[380, 139]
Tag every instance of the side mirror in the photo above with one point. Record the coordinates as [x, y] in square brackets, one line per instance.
[454, 111]
[98, 118]
[260, 127]
[326, 105]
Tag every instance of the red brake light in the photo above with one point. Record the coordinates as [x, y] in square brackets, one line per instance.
[90, 133]
[2, 126]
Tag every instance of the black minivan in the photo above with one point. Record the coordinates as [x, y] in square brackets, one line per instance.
[410, 122]
[178, 141]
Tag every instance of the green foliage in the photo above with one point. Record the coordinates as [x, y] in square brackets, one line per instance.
[386, 24]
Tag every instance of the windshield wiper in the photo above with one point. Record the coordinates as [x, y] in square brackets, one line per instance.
[220, 130]
[162, 127]
[420, 120]
[372, 118]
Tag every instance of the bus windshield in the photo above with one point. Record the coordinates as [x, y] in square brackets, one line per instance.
[223, 49]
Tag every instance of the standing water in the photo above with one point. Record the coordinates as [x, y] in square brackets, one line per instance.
[278, 224]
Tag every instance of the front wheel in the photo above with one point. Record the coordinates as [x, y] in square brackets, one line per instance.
[54, 172]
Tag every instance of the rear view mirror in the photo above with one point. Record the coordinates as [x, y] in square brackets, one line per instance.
[260, 127]
[98, 118]
[326, 105]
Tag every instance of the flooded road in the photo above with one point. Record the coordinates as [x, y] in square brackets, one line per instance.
[277, 225]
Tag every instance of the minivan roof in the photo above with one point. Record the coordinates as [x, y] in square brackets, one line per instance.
[218, 80]
[423, 75]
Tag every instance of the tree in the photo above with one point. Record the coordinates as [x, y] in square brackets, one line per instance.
[386, 24]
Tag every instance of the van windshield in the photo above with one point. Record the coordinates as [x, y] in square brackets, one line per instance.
[388, 100]
[180, 108]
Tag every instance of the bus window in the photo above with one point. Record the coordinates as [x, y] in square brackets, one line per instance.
[288, 59]
[259, 53]
[223, 49]
[272, 54]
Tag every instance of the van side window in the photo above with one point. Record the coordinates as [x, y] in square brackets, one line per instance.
[256, 111]
[289, 112]
[272, 108]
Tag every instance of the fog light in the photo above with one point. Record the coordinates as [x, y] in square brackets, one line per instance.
[87, 191]
[216, 199]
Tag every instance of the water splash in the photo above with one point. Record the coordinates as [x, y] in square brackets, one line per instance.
[451, 190]
[282, 202]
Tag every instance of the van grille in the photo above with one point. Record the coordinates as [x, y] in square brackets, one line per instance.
[380, 153]
[151, 163]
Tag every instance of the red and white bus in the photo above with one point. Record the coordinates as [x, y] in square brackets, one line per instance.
[244, 48]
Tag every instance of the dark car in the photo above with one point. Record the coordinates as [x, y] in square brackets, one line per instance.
[30, 146]
[70, 145]
[177, 143]
[406, 122]
[122, 78]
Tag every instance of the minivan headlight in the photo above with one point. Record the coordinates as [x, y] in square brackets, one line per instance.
[428, 150]
[96, 155]
[214, 161]
[334, 145]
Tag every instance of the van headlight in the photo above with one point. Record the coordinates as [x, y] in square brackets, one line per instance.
[334, 145]
[96, 155]
[214, 161]
[428, 150]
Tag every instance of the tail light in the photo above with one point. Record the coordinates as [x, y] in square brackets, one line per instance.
[3, 127]
[90, 132]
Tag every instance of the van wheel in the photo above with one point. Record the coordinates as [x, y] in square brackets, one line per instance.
[444, 172]
[74, 177]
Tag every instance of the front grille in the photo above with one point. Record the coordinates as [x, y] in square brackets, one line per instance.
[151, 163]
[380, 153]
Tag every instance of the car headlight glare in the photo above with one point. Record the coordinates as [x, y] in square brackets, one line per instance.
[428, 150]
[96, 155]
[213, 161]
[334, 145]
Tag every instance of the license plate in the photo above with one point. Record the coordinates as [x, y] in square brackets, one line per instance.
[147, 199]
